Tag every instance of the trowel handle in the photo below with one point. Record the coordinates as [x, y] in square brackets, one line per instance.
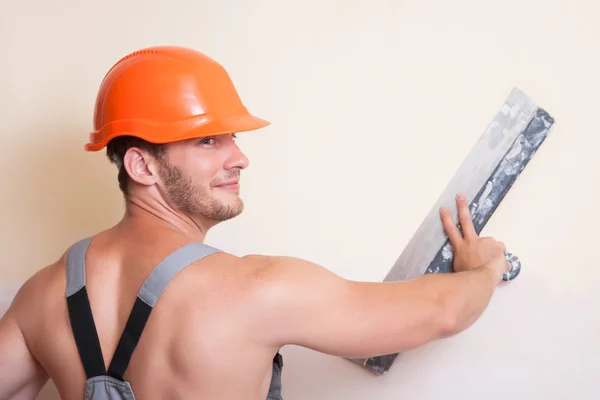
[515, 267]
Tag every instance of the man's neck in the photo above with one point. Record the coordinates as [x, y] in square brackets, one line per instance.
[143, 214]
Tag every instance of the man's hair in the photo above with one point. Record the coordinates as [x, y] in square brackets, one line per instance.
[116, 149]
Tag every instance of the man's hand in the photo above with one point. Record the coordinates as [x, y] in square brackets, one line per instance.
[470, 250]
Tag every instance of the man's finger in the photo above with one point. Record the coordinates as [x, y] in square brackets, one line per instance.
[464, 217]
[503, 246]
[450, 227]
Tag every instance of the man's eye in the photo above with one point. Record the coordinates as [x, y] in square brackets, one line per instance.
[207, 140]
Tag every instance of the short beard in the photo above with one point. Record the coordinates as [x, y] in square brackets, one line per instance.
[185, 197]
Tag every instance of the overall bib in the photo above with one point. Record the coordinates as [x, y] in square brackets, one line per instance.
[110, 385]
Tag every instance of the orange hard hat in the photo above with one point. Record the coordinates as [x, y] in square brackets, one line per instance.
[166, 93]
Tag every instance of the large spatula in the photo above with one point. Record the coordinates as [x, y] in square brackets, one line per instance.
[485, 176]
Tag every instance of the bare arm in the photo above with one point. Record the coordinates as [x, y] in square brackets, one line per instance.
[314, 308]
[21, 376]
[310, 306]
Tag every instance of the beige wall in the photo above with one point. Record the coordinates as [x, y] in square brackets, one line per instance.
[374, 105]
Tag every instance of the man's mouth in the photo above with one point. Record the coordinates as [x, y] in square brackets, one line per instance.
[234, 184]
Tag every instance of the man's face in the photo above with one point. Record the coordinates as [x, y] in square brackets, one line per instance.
[200, 176]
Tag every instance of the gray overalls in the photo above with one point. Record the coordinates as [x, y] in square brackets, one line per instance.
[110, 385]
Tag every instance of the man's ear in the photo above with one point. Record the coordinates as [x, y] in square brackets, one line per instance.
[138, 164]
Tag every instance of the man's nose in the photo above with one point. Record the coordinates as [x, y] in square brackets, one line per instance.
[237, 159]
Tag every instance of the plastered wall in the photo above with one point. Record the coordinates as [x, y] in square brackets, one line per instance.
[374, 105]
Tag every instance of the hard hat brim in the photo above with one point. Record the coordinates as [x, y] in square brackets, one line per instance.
[159, 133]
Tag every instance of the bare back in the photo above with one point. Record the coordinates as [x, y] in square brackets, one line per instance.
[202, 339]
[217, 327]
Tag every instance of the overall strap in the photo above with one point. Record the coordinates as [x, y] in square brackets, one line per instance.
[147, 298]
[80, 312]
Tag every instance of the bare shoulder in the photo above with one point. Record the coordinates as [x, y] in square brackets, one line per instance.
[275, 300]
[291, 291]
[38, 291]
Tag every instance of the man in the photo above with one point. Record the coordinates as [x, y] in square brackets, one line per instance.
[144, 308]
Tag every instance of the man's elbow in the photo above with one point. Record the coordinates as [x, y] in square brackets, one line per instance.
[447, 316]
